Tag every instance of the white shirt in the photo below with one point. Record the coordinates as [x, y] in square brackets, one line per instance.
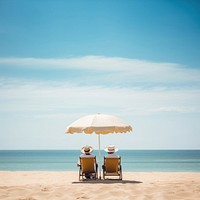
[87, 156]
[111, 155]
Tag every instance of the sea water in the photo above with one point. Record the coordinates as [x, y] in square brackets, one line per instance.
[132, 160]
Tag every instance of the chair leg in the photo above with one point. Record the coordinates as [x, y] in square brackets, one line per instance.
[103, 171]
[97, 174]
[120, 173]
[120, 176]
[96, 177]
[103, 174]
[79, 175]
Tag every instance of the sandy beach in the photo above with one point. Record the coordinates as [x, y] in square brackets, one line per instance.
[26, 185]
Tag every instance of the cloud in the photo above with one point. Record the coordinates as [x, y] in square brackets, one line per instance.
[103, 70]
[42, 99]
[116, 85]
[92, 63]
[176, 109]
[37, 111]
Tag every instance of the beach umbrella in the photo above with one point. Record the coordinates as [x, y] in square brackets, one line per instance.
[99, 124]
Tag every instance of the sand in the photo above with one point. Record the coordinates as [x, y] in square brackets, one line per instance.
[65, 185]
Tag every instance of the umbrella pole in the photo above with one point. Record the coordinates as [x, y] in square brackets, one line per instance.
[99, 159]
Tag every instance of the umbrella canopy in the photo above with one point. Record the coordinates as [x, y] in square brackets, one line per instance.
[99, 124]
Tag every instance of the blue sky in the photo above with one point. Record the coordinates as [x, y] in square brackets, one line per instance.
[61, 60]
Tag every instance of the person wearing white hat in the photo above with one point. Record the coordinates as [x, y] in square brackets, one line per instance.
[112, 163]
[86, 152]
[111, 149]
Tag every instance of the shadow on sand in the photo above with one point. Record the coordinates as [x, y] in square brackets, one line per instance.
[107, 181]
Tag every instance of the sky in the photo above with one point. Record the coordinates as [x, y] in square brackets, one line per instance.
[136, 59]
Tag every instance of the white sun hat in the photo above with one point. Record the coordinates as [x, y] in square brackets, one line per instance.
[87, 149]
[111, 149]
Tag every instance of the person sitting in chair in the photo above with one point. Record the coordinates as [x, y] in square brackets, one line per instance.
[86, 152]
[112, 163]
[111, 149]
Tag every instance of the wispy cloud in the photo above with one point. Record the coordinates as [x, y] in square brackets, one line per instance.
[92, 62]
[48, 99]
[152, 87]
[99, 69]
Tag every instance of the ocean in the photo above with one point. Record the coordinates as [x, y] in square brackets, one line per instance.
[132, 160]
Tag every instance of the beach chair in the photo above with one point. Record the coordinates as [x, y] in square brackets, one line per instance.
[112, 167]
[88, 167]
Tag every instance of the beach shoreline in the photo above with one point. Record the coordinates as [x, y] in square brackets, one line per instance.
[34, 185]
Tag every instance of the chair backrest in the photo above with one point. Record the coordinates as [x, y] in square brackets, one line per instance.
[112, 164]
[88, 164]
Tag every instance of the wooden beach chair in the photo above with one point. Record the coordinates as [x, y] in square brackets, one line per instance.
[112, 167]
[88, 167]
